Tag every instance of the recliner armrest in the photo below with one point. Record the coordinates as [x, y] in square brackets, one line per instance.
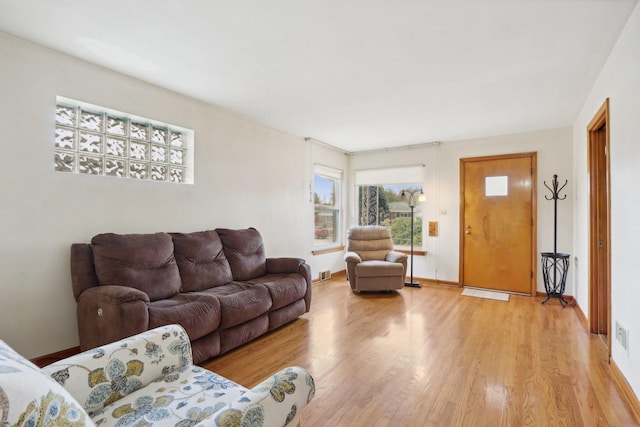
[352, 257]
[109, 313]
[283, 265]
[394, 256]
[115, 294]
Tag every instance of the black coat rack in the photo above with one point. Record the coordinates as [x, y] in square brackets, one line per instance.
[555, 266]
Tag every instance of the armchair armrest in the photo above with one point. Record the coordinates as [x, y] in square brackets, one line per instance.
[352, 257]
[283, 265]
[132, 363]
[394, 256]
[109, 313]
[398, 257]
[277, 401]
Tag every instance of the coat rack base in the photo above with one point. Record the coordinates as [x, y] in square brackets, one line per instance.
[555, 267]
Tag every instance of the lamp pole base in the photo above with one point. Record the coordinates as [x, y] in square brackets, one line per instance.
[413, 284]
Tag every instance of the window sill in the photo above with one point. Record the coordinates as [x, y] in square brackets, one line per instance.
[408, 251]
[327, 250]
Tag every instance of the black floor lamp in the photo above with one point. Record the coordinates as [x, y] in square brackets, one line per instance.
[412, 204]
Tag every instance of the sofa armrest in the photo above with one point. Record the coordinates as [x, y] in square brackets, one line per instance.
[131, 363]
[283, 265]
[109, 313]
[278, 401]
[291, 266]
[394, 256]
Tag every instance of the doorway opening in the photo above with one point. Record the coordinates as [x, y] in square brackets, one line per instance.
[599, 224]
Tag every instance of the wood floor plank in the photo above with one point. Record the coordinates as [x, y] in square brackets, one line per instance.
[431, 357]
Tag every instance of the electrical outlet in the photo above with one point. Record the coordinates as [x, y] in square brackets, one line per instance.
[622, 336]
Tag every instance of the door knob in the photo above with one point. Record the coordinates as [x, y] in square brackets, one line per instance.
[467, 232]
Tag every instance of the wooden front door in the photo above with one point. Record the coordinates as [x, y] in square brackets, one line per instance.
[497, 215]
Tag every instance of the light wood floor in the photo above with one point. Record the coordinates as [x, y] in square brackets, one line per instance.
[431, 357]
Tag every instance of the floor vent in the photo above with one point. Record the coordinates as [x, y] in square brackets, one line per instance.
[325, 275]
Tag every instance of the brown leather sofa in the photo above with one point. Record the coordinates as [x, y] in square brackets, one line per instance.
[218, 284]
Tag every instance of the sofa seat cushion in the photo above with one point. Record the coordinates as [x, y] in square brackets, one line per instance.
[141, 261]
[283, 288]
[201, 260]
[236, 336]
[198, 314]
[378, 269]
[206, 347]
[240, 302]
[286, 314]
[245, 251]
[186, 396]
[228, 289]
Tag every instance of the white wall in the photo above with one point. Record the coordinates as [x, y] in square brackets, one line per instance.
[442, 188]
[620, 82]
[246, 175]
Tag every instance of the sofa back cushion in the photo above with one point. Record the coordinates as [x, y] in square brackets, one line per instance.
[201, 260]
[245, 251]
[142, 261]
[30, 397]
[83, 271]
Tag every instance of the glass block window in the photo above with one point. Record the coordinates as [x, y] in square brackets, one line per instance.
[93, 140]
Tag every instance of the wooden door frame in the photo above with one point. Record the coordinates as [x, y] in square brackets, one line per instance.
[600, 120]
[534, 211]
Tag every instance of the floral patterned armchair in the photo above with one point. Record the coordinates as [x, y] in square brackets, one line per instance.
[147, 379]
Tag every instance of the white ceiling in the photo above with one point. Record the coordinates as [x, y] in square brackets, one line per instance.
[356, 74]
